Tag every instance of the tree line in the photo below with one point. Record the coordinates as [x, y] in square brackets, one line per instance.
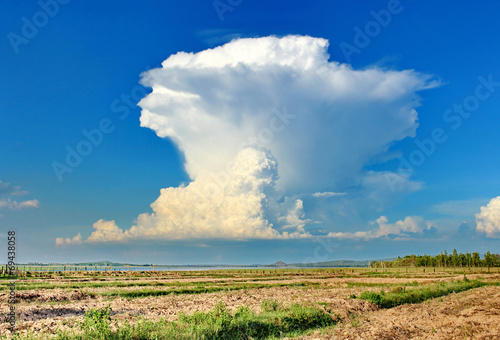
[443, 259]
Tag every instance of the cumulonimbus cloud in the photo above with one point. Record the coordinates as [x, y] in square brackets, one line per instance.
[488, 219]
[238, 110]
[213, 102]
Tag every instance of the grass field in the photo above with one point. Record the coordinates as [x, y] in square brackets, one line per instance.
[255, 304]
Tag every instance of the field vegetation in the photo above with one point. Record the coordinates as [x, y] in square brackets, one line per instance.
[253, 304]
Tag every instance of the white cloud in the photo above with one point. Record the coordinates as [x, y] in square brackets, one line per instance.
[205, 209]
[106, 231]
[402, 228]
[64, 242]
[14, 205]
[488, 220]
[320, 120]
[212, 102]
[295, 218]
[7, 203]
[327, 194]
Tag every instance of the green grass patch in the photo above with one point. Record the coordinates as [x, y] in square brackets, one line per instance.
[401, 295]
[380, 284]
[200, 289]
[109, 284]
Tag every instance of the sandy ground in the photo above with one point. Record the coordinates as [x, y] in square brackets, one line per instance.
[472, 314]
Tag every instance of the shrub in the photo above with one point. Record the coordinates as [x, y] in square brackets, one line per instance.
[270, 305]
[96, 323]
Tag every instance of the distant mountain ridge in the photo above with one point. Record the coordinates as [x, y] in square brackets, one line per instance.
[277, 264]
[336, 263]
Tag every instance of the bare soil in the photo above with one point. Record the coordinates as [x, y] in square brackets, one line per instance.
[473, 314]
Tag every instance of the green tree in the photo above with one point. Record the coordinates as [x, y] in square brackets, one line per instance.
[497, 260]
[468, 259]
[439, 260]
[454, 258]
[462, 260]
[476, 260]
[488, 259]
[412, 260]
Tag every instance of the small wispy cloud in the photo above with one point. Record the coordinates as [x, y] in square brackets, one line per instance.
[403, 229]
[14, 205]
[327, 194]
[7, 189]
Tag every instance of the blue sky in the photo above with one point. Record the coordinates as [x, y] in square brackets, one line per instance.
[79, 69]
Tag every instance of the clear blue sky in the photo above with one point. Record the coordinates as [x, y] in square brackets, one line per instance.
[66, 75]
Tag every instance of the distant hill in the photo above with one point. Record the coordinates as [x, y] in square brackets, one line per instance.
[103, 263]
[337, 263]
[277, 264]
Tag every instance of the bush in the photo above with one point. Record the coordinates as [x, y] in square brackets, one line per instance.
[270, 305]
[96, 323]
